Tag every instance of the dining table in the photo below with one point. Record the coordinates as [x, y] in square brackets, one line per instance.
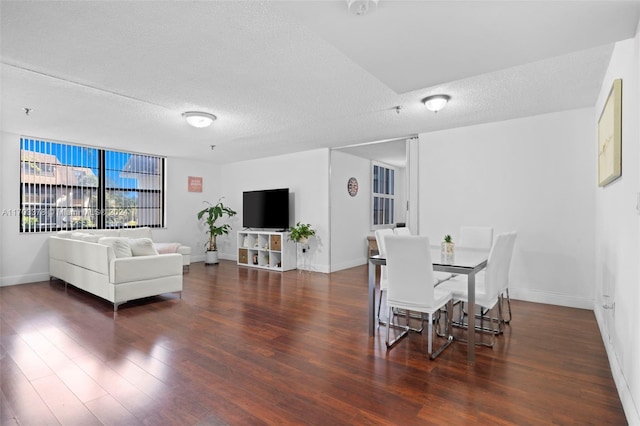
[464, 261]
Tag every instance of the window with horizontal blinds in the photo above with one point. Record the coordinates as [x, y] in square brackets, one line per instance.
[65, 187]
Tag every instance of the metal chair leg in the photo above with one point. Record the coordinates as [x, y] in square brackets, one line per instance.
[389, 325]
[430, 337]
[384, 322]
[481, 327]
[448, 317]
[380, 321]
[498, 319]
[508, 306]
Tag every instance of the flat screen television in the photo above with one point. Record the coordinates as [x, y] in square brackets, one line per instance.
[266, 209]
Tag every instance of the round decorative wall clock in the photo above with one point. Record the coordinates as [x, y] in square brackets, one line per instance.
[352, 186]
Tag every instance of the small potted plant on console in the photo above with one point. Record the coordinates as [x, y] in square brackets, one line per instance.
[210, 215]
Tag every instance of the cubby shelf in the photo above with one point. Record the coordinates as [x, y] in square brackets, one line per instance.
[266, 250]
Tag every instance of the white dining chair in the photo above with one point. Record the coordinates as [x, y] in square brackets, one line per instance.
[438, 277]
[410, 273]
[403, 230]
[488, 288]
[380, 241]
[475, 237]
[505, 290]
[478, 237]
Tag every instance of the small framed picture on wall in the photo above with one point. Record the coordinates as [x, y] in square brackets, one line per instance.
[195, 184]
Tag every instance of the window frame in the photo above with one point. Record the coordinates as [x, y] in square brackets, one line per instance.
[88, 204]
[387, 195]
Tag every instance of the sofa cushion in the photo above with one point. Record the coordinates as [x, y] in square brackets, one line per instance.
[145, 268]
[64, 234]
[106, 232]
[165, 248]
[142, 247]
[84, 236]
[120, 246]
[143, 232]
[91, 238]
[185, 250]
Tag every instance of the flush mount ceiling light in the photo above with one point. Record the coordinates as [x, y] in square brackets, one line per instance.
[361, 7]
[436, 102]
[199, 119]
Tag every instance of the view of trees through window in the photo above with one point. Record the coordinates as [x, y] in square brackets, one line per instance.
[67, 186]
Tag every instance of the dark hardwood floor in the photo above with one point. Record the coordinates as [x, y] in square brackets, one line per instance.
[246, 346]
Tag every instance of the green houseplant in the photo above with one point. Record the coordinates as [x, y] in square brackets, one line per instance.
[301, 233]
[210, 216]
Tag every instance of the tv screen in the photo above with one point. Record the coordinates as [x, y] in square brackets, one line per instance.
[266, 209]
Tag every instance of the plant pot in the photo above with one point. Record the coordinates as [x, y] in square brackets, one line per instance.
[303, 240]
[211, 257]
[447, 249]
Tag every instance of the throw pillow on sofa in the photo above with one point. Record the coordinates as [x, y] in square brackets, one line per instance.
[165, 248]
[142, 247]
[120, 246]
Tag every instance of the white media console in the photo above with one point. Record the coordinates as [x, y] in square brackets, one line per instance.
[267, 250]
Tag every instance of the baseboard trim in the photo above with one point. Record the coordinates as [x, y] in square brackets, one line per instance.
[628, 405]
[550, 298]
[346, 265]
[24, 279]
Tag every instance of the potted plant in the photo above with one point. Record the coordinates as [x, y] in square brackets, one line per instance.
[447, 246]
[210, 215]
[301, 233]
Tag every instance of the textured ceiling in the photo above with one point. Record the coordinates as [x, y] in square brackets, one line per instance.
[291, 76]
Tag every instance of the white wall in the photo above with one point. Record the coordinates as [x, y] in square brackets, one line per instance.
[413, 182]
[3, 193]
[618, 235]
[533, 175]
[306, 174]
[350, 216]
[25, 256]
[183, 206]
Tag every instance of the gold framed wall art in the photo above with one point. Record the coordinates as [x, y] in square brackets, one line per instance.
[610, 137]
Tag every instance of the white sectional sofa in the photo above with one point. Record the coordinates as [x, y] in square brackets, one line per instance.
[116, 265]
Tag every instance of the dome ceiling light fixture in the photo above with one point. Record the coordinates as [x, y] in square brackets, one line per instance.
[199, 119]
[436, 102]
[361, 7]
